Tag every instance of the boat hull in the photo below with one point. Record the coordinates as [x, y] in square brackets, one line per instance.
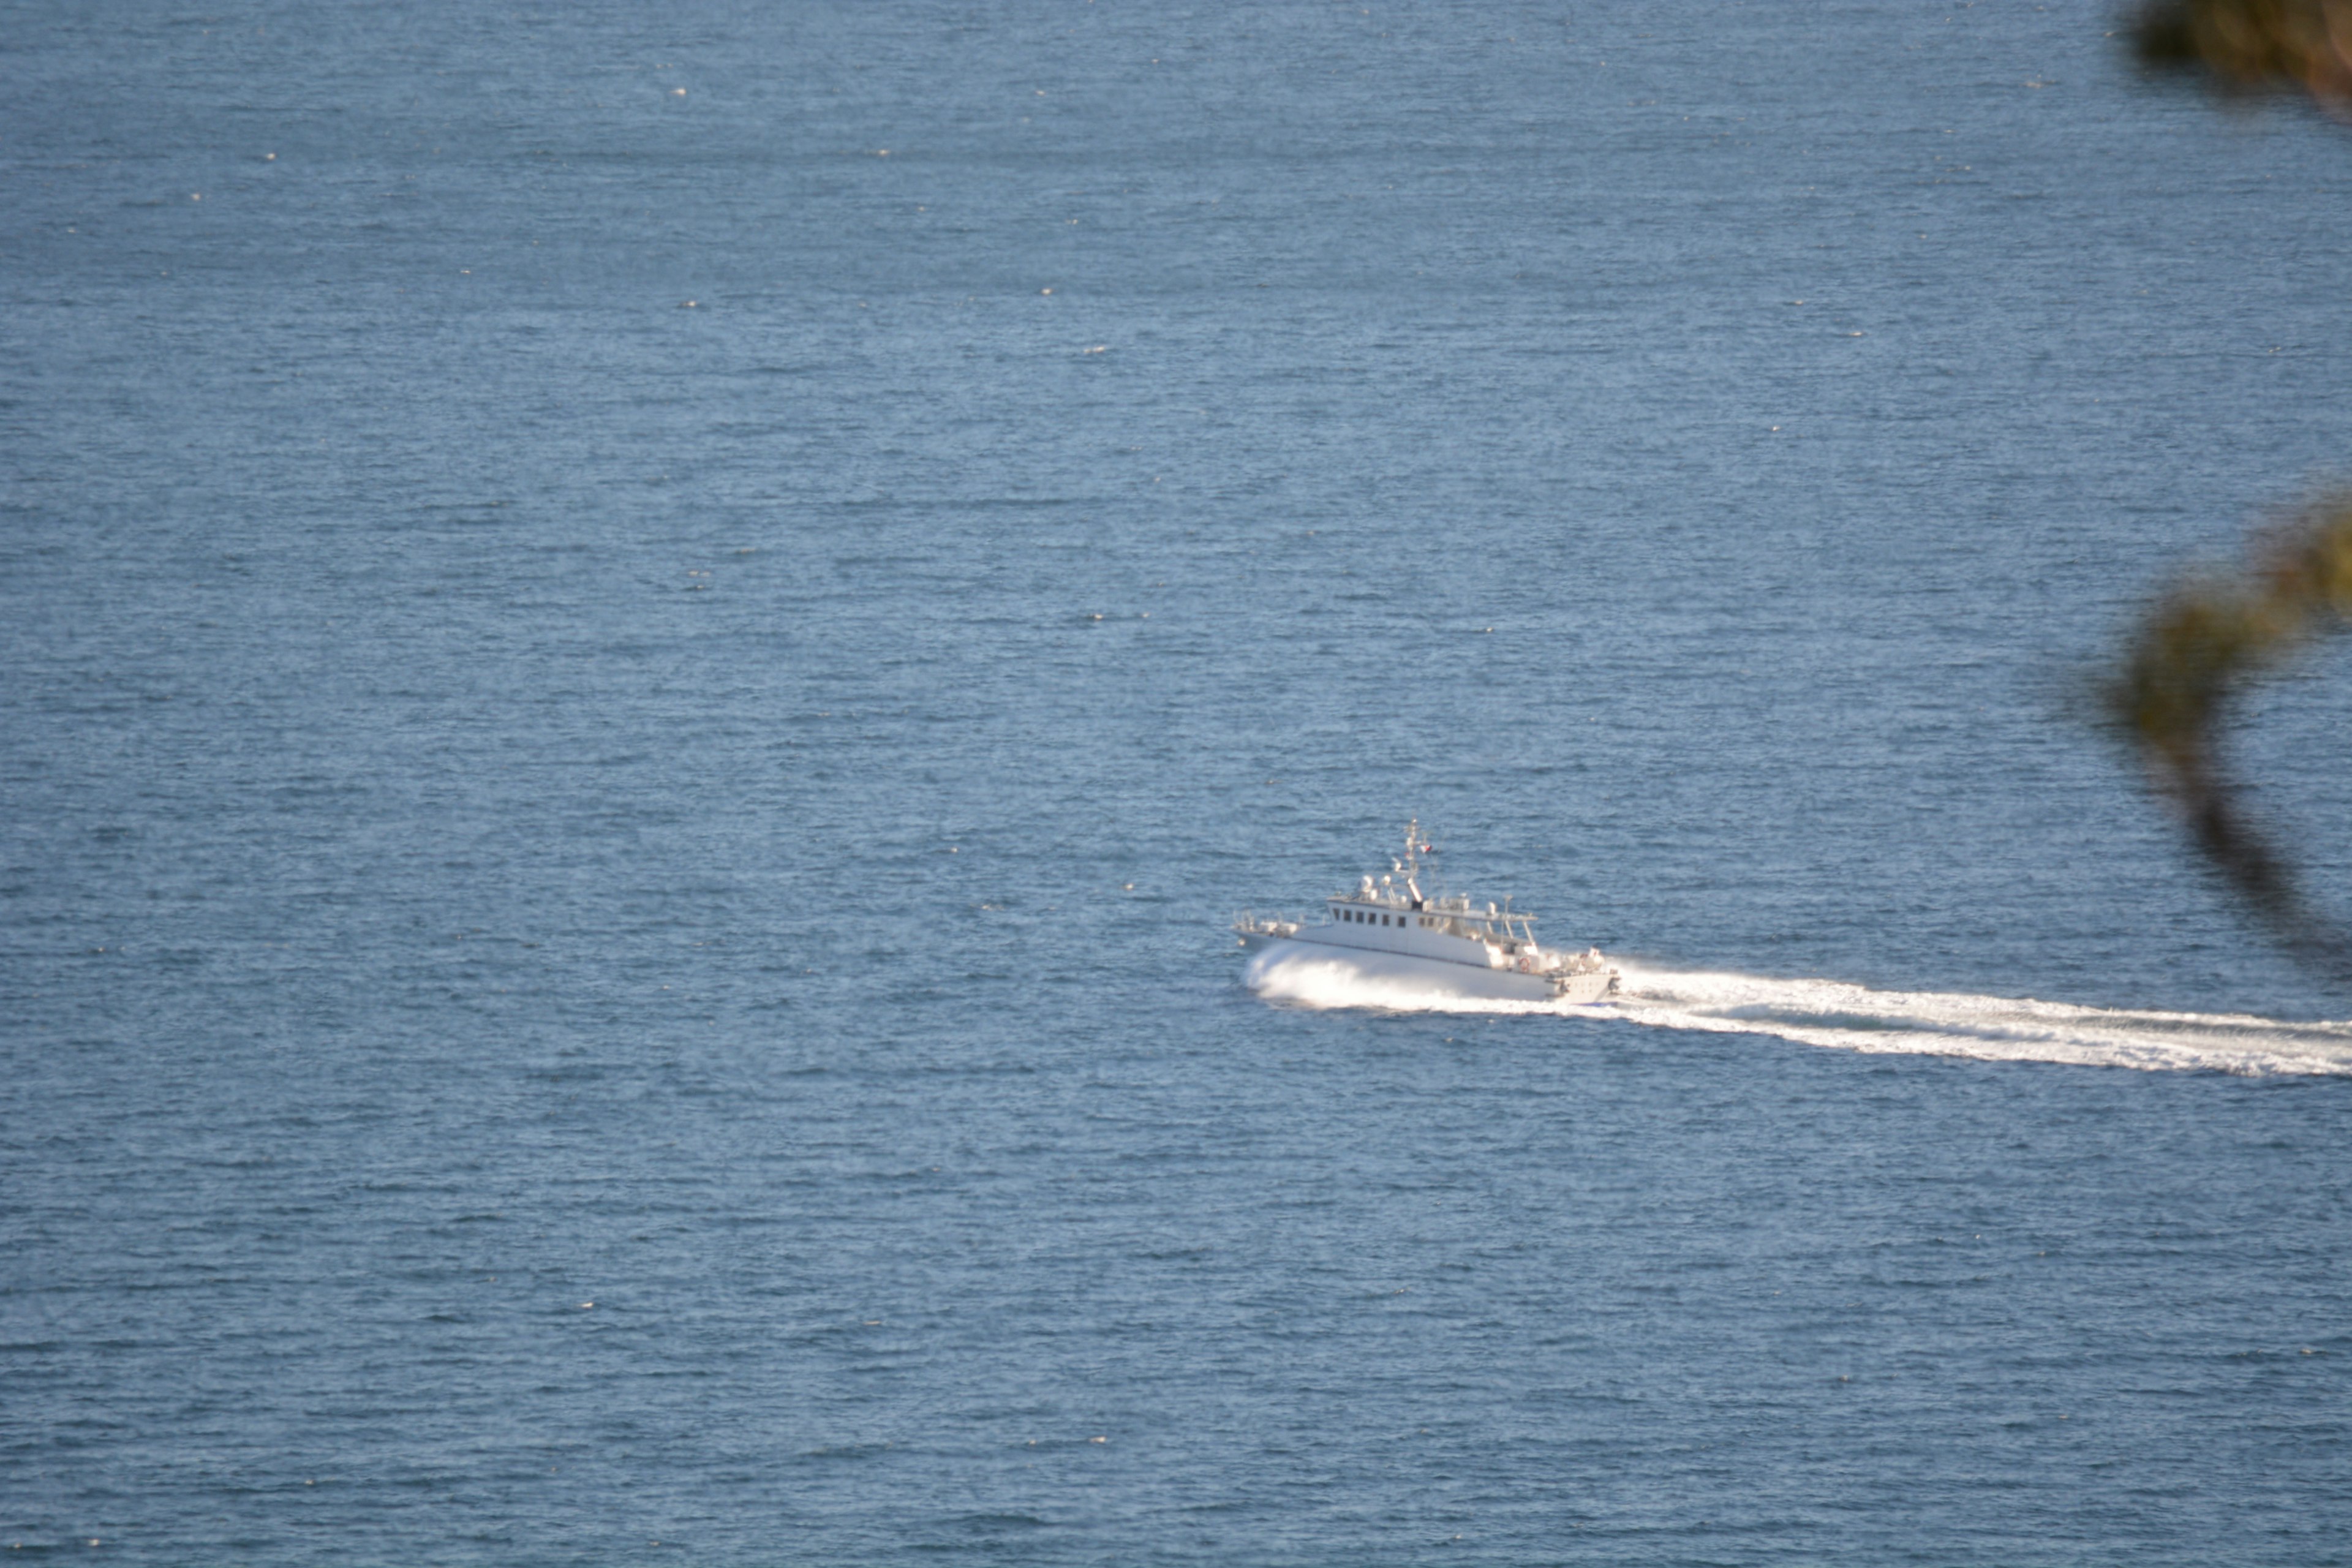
[1275, 961]
[1585, 989]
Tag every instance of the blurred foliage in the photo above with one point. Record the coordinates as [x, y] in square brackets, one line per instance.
[2193, 653]
[2253, 45]
[2207, 639]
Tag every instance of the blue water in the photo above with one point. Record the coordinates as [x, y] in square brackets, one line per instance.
[642, 651]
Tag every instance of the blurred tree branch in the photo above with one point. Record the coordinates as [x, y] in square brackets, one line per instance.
[2253, 45]
[2193, 652]
[2206, 639]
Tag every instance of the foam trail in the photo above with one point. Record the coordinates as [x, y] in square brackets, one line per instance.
[1841, 1016]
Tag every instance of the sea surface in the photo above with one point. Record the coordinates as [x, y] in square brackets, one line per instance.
[644, 652]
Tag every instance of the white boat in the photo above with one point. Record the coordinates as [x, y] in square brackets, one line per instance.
[1390, 929]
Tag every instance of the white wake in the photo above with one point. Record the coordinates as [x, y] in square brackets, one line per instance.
[1832, 1014]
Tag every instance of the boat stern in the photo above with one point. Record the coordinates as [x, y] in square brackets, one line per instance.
[1591, 986]
[1256, 931]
